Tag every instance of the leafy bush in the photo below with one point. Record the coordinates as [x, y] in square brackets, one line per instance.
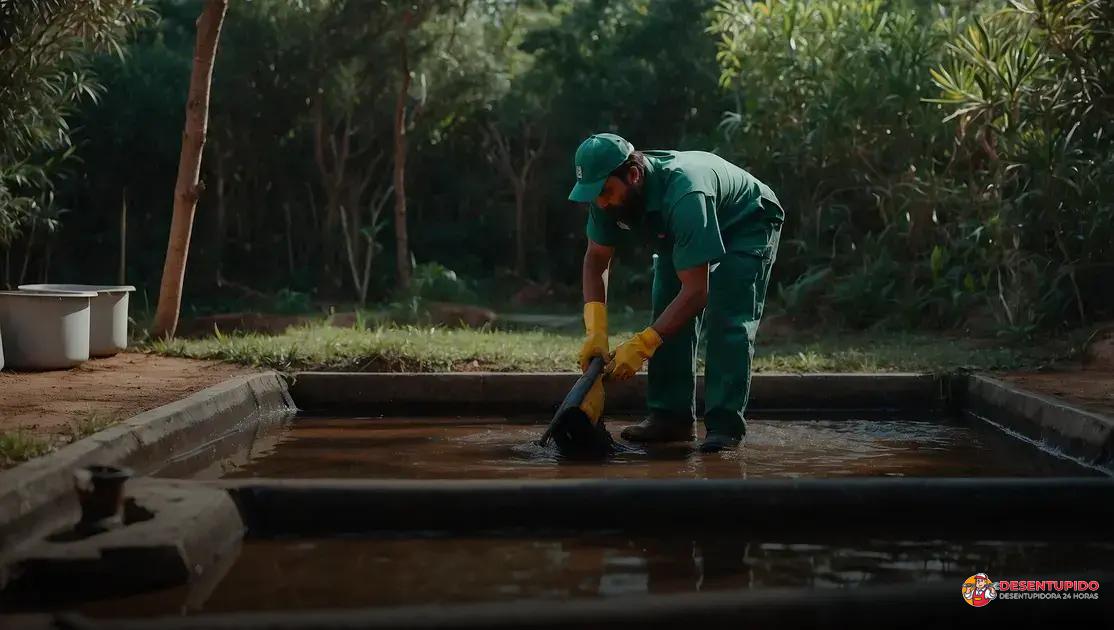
[937, 159]
[46, 54]
[430, 282]
[1029, 89]
[291, 302]
[435, 282]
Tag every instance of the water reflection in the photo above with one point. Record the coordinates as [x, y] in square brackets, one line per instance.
[285, 575]
[488, 449]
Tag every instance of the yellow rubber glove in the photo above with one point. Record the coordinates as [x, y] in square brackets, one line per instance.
[629, 356]
[592, 405]
[595, 345]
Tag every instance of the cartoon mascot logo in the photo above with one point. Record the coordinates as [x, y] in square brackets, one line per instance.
[978, 590]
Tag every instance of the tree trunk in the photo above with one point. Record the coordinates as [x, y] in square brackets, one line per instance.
[289, 242]
[188, 187]
[46, 262]
[541, 247]
[332, 157]
[27, 251]
[402, 245]
[351, 251]
[520, 179]
[219, 228]
[520, 228]
[121, 273]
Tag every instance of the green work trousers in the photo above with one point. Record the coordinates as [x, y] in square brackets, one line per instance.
[736, 296]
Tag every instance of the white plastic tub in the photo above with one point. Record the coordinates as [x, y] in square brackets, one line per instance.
[108, 321]
[45, 331]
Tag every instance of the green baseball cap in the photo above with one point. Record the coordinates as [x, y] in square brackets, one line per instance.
[595, 159]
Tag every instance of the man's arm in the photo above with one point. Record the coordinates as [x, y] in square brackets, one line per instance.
[688, 303]
[597, 265]
[697, 243]
[629, 357]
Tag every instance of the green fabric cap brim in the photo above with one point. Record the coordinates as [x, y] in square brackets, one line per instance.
[586, 192]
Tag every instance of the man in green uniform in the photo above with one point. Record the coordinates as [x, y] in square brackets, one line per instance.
[715, 230]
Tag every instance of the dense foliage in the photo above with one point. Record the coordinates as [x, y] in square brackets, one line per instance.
[45, 52]
[940, 163]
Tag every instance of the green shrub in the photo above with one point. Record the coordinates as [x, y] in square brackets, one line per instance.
[936, 158]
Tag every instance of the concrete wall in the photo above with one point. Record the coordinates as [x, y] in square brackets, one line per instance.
[1003, 508]
[479, 392]
[1083, 435]
[38, 496]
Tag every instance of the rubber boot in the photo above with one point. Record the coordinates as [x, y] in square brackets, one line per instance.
[715, 442]
[661, 426]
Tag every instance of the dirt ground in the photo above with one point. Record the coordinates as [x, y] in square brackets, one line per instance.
[1091, 389]
[114, 388]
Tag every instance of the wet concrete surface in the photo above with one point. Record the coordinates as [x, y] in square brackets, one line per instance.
[495, 448]
[431, 569]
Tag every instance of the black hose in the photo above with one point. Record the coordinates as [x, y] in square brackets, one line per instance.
[574, 432]
[575, 396]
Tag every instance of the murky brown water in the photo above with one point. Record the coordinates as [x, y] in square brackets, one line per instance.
[489, 448]
[340, 573]
[418, 568]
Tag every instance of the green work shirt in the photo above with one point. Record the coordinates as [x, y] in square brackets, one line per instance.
[698, 207]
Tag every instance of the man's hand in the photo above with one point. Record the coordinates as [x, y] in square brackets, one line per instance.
[629, 356]
[595, 323]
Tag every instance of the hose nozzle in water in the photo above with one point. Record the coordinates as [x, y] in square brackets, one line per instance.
[577, 428]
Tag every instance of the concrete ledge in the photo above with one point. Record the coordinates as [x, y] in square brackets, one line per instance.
[37, 496]
[490, 392]
[901, 605]
[1006, 508]
[188, 529]
[235, 449]
[1083, 435]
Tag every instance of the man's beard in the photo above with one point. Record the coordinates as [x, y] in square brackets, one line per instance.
[631, 211]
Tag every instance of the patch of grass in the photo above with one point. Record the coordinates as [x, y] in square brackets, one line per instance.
[88, 424]
[385, 348]
[422, 349]
[19, 446]
[900, 352]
